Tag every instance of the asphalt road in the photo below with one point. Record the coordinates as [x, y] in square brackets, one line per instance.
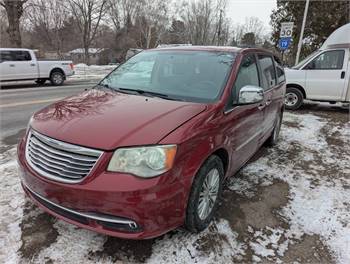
[19, 102]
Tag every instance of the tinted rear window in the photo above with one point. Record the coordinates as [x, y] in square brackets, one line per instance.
[268, 71]
[20, 55]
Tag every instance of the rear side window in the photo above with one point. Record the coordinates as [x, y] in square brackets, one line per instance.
[279, 71]
[21, 55]
[5, 55]
[329, 60]
[267, 71]
[280, 74]
[247, 75]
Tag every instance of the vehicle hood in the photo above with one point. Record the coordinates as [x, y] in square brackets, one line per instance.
[107, 120]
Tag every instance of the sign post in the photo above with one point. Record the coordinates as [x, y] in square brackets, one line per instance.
[285, 36]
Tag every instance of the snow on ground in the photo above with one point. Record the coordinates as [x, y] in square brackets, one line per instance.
[291, 203]
[91, 72]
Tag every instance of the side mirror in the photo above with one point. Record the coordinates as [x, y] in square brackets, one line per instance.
[250, 94]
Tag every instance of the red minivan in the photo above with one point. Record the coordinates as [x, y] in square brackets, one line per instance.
[148, 149]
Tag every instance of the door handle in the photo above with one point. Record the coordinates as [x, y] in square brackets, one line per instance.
[261, 106]
[342, 75]
[268, 102]
[12, 65]
[32, 64]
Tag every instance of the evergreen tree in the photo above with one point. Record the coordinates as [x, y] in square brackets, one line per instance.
[323, 18]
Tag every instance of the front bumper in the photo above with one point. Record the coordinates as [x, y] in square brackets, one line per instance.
[115, 204]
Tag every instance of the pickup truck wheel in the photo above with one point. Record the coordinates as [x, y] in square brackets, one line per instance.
[272, 140]
[205, 193]
[56, 78]
[293, 99]
[40, 81]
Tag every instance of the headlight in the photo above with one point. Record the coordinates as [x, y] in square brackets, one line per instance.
[143, 161]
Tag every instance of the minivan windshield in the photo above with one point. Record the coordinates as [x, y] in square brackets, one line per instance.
[196, 76]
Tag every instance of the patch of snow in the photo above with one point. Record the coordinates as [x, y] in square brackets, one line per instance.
[323, 208]
[186, 246]
[91, 72]
[11, 208]
[74, 242]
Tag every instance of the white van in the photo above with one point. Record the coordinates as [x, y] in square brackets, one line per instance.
[324, 75]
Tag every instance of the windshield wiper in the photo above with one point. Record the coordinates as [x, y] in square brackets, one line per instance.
[105, 85]
[143, 92]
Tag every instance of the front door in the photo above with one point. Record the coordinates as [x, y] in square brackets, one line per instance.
[243, 123]
[325, 76]
[25, 67]
[6, 70]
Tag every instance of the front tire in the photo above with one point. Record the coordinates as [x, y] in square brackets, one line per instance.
[293, 99]
[205, 193]
[40, 81]
[57, 78]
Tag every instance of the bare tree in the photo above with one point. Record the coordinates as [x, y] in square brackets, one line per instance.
[152, 21]
[88, 15]
[47, 18]
[204, 21]
[14, 10]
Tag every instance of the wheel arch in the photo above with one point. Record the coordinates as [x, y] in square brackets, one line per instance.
[223, 155]
[297, 86]
[57, 69]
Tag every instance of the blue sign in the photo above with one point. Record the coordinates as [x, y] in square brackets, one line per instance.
[284, 43]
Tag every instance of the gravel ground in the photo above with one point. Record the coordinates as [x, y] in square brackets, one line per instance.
[291, 203]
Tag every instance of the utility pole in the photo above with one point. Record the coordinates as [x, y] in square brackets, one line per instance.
[302, 31]
[219, 30]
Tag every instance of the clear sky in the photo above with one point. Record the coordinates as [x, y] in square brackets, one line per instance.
[238, 10]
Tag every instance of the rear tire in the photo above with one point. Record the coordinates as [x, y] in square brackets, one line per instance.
[272, 140]
[293, 99]
[205, 194]
[57, 78]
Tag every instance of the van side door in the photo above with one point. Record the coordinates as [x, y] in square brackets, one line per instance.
[325, 75]
[242, 123]
[269, 84]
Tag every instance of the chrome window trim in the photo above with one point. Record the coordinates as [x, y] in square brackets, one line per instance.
[61, 145]
[110, 219]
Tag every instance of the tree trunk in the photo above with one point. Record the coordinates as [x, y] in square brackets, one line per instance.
[14, 11]
[87, 55]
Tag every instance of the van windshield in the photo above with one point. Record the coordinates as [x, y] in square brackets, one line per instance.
[301, 64]
[197, 76]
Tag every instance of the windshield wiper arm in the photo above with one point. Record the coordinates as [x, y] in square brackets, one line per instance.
[105, 85]
[160, 95]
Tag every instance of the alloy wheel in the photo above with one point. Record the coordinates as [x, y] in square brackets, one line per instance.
[208, 194]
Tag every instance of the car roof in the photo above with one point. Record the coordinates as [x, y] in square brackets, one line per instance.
[14, 49]
[214, 48]
[201, 48]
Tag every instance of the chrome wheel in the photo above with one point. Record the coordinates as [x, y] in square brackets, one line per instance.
[290, 99]
[57, 78]
[208, 194]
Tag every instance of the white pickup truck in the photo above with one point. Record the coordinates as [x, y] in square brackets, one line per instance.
[22, 65]
[324, 75]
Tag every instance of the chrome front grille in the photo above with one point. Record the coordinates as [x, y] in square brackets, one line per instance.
[58, 160]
